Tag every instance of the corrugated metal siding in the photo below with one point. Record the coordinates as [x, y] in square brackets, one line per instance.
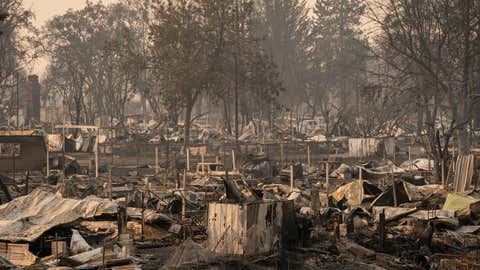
[264, 224]
[247, 229]
[463, 173]
[363, 147]
[226, 224]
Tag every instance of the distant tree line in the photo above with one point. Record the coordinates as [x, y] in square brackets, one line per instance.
[366, 68]
[19, 47]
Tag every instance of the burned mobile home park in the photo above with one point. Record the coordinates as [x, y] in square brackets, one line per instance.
[240, 134]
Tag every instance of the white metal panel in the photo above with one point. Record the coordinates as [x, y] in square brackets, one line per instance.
[248, 229]
[362, 147]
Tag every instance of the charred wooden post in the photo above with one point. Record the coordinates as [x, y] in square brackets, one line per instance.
[188, 158]
[48, 163]
[203, 164]
[156, 160]
[110, 196]
[315, 202]
[286, 153]
[177, 183]
[224, 155]
[168, 153]
[56, 245]
[395, 199]
[122, 219]
[394, 187]
[173, 160]
[350, 224]
[103, 255]
[308, 155]
[442, 164]
[281, 154]
[27, 180]
[381, 229]
[291, 178]
[327, 180]
[142, 237]
[338, 222]
[138, 154]
[13, 160]
[184, 201]
[97, 142]
[112, 159]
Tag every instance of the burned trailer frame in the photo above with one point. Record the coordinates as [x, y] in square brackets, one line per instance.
[250, 229]
[24, 151]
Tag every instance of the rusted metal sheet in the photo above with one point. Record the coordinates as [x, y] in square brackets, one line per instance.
[244, 229]
[363, 147]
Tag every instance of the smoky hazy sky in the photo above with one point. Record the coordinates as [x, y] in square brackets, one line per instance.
[44, 10]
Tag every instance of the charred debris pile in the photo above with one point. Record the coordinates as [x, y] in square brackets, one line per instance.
[308, 205]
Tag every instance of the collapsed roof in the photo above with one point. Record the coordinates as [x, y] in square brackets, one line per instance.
[26, 218]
